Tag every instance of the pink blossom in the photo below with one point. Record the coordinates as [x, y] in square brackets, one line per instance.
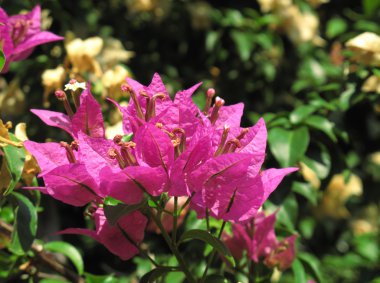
[257, 237]
[19, 34]
[116, 238]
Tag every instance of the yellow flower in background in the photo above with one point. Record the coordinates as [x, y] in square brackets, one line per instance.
[31, 168]
[12, 98]
[375, 158]
[112, 81]
[158, 8]
[113, 53]
[273, 5]
[82, 53]
[365, 48]
[337, 194]
[4, 135]
[300, 26]
[367, 221]
[310, 176]
[372, 84]
[52, 79]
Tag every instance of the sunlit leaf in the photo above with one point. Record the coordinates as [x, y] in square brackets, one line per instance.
[288, 146]
[69, 251]
[156, 273]
[15, 158]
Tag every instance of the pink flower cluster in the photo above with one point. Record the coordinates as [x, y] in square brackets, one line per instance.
[19, 34]
[258, 239]
[176, 149]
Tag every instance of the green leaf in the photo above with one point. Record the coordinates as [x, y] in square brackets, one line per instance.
[15, 158]
[313, 263]
[306, 190]
[322, 124]
[111, 201]
[2, 60]
[287, 215]
[53, 281]
[345, 97]
[335, 27]
[206, 237]
[127, 138]
[370, 6]
[307, 226]
[91, 278]
[215, 278]
[298, 271]
[244, 43]
[114, 212]
[25, 224]
[288, 146]
[322, 168]
[301, 113]
[69, 251]
[366, 246]
[212, 39]
[156, 273]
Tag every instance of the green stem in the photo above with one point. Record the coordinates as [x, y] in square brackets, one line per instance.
[173, 248]
[213, 253]
[208, 220]
[175, 220]
[185, 204]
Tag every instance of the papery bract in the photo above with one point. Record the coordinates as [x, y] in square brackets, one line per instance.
[19, 34]
[112, 237]
[257, 237]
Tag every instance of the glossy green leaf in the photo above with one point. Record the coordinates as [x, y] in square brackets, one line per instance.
[301, 113]
[127, 138]
[25, 223]
[69, 251]
[288, 146]
[212, 39]
[111, 201]
[370, 6]
[156, 273]
[322, 168]
[215, 278]
[2, 59]
[218, 245]
[114, 212]
[15, 158]
[367, 247]
[91, 278]
[53, 281]
[287, 215]
[313, 263]
[335, 27]
[322, 124]
[306, 190]
[243, 42]
[298, 271]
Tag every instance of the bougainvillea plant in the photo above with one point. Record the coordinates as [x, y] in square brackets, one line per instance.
[169, 149]
[20, 34]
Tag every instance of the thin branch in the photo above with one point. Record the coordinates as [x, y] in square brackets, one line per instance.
[45, 258]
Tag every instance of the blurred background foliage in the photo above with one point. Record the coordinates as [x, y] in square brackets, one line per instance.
[295, 63]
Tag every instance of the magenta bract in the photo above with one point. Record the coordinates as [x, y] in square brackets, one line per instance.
[19, 34]
[176, 149]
